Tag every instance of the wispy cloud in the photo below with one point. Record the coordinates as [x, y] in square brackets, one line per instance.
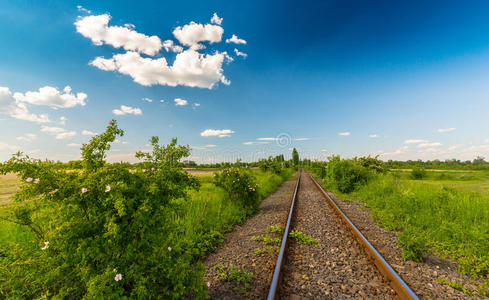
[415, 141]
[442, 130]
[217, 132]
[374, 136]
[346, 133]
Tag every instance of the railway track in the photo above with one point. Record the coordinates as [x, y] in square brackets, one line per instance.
[343, 265]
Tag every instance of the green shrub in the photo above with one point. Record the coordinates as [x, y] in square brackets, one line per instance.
[346, 175]
[105, 231]
[413, 246]
[240, 185]
[418, 173]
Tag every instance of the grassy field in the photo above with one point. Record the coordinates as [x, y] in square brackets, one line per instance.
[446, 213]
[203, 218]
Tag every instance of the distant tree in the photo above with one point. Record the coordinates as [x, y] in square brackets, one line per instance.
[295, 157]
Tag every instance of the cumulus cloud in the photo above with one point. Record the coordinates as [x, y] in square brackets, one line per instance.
[65, 135]
[344, 133]
[234, 39]
[193, 34]
[16, 109]
[169, 45]
[442, 130]
[180, 102]
[26, 137]
[88, 132]
[244, 55]
[217, 132]
[190, 68]
[97, 29]
[124, 110]
[216, 20]
[51, 130]
[50, 96]
[374, 136]
[147, 99]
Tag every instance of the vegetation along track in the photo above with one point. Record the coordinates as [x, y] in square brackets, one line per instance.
[325, 258]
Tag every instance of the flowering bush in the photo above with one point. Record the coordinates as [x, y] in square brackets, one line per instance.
[240, 186]
[103, 232]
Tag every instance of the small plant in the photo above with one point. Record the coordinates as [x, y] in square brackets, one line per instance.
[271, 250]
[233, 273]
[275, 229]
[266, 239]
[303, 239]
[413, 246]
[240, 186]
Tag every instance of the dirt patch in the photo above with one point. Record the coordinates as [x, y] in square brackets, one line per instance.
[9, 176]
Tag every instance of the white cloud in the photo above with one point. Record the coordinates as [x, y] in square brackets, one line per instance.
[147, 99]
[244, 55]
[190, 68]
[27, 137]
[441, 130]
[88, 132]
[255, 143]
[267, 139]
[180, 102]
[98, 30]
[124, 110]
[82, 9]
[52, 130]
[344, 133]
[162, 101]
[73, 145]
[234, 39]
[374, 136]
[216, 20]
[65, 135]
[50, 96]
[217, 132]
[193, 34]
[486, 141]
[415, 141]
[302, 139]
[429, 145]
[169, 45]
[196, 105]
[12, 107]
[62, 120]
[7, 147]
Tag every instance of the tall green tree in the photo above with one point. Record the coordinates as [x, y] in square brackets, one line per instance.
[295, 157]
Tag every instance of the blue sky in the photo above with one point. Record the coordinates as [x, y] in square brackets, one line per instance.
[400, 80]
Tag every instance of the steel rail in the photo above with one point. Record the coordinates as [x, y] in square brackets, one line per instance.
[395, 281]
[281, 255]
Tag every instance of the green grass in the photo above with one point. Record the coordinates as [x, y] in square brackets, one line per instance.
[449, 215]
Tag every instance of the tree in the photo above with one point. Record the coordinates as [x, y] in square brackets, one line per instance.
[295, 157]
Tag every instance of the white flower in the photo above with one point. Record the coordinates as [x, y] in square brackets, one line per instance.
[29, 179]
[118, 277]
[46, 245]
[36, 181]
[144, 170]
[84, 190]
[169, 248]
[107, 189]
